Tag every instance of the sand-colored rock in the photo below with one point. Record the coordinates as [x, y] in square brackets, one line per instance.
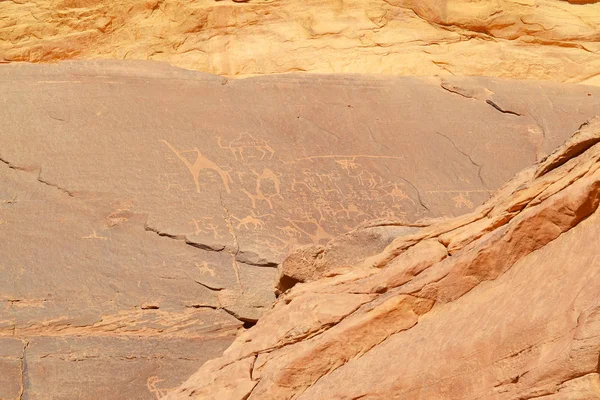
[144, 208]
[542, 39]
[511, 313]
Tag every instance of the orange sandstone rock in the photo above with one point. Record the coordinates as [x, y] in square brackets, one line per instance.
[544, 39]
[511, 313]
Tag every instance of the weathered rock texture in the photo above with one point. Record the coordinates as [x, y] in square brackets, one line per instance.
[543, 39]
[501, 303]
[143, 208]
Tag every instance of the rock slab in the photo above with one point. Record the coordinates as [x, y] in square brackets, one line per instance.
[144, 208]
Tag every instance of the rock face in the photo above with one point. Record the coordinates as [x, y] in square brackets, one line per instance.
[542, 39]
[501, 303]
[143, 208]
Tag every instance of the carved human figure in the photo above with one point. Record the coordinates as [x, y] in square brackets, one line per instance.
[461, 200]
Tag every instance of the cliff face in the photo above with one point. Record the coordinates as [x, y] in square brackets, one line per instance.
[144, 208]
[147, 210]
[543, 39]
[501, 303]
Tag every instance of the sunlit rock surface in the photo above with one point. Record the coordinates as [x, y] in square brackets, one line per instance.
[501, 303]
[542, 39]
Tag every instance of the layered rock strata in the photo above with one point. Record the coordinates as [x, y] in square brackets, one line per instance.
[542, 39]
[501, 303]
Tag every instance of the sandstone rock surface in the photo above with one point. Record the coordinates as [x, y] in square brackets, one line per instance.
[144, 208]
[541, 39]
[501, 303]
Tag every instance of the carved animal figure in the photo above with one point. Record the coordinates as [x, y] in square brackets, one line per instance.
[200, 164]
[250, 222]
[244, 142]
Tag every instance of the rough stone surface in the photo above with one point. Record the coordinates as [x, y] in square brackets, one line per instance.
[512, 312]
[541, 39]
[144, 208]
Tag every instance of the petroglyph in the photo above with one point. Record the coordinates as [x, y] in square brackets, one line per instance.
[278, 244]
[200, 164]
[363, 177]
[246, 142]
[170, 181]
[254, 198]
[351, 210]
[117, 217]
[397, 194]
[202, 226]
[348, 165]
[250, 222]
[289, 231]
[121, 214]
[197, 223]
[204, 268]
[461, 200]
[356, 171]
[241, 175]
[309, 184]
[95, 236]
[302, 212]
[329, 198]
[318, 236]
[391, 214]
[346, 156]
[266, 175]
[342, 193]
[401, 211]
[324, 208]
[152, 383]
[329, 177]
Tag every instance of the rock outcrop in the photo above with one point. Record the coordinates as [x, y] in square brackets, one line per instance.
[501, 303]
[542, 39]
[144, 208]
